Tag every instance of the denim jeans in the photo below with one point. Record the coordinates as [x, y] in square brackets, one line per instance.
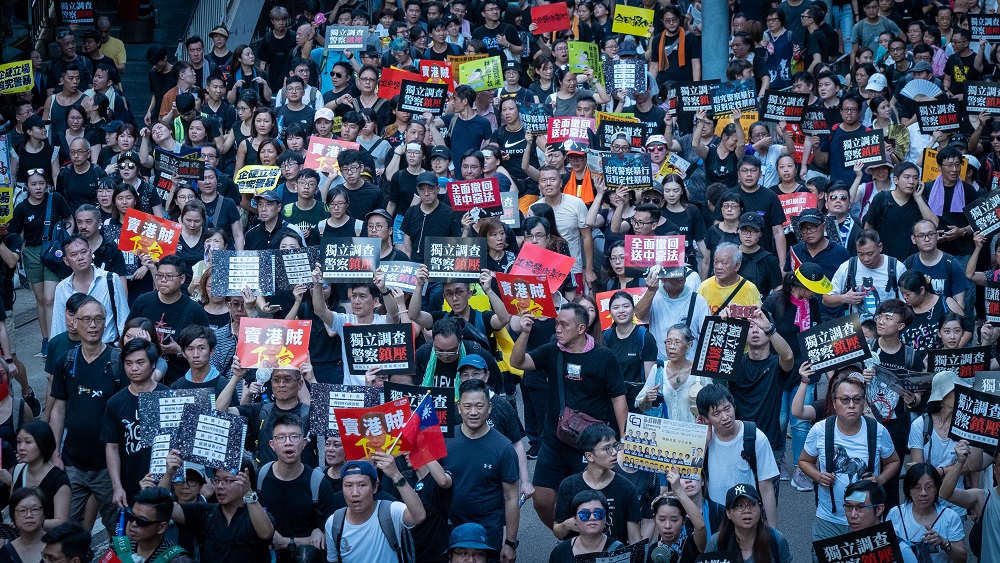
[800, 428]
[843, 20]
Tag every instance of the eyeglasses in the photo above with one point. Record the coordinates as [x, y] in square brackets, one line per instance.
[375, 227]
[446, 353]
[287, 438]
[78, 151]
[534, 237]
[126, 165]
[926, 236]
[611, 448]
[616, 259]
[595, 514]
[845, 109]
[642, 223]
[139, 520]
[166, 277]
[749, 232]
[367, 79]
[733, 206]
[619, 148]
[848, 401]
[849, 508]
[34, 511]
[354, 169]
[90, 321]
[745, 507]
[950, 165]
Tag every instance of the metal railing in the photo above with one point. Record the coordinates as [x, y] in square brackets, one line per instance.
[204, 18]
[41, 22]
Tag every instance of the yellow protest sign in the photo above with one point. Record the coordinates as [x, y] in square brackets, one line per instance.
[616, 117]
[255, 179]
[746, 120]
[929, 170]
[16, 77]
[459, 60]
[629, 20]
[481, 74]
[6, 204]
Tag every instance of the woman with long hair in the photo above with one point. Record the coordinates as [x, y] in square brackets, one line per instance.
[633, 345]
[670, 390]
[564, 100]
[620, 277]
[590, 511]
[585, 27]
[98, 112]
[543, 86]
[198, 132]
[950, 332]
[215, 305]
[928, 307]
[370, 139]
[678, 522]
[35, 446]
[245, 111]
[538, 231]
[932, 530]
[589, 303]
[744, 530]
[76, 128]
[690, 223]
[264, 127]
[27, 513]
[183, 194]
[245, 76]
[191, 246]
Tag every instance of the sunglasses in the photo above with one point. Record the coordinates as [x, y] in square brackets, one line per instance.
[337, 74]
[837, 197]
[39, 171]
[123, 165]
[657, 148]
[139, 520]
[595, 514]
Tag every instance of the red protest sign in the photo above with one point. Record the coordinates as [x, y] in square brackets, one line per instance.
[604, 305]
[323, 152]
[521, 292]
[438, 72]
[646, 251]
[367, 430]
[143, 233]
[392, 81]
[467, 194]
[570, 129]
[549, 18]
[535, 260]
[272, 343]
[794, 203]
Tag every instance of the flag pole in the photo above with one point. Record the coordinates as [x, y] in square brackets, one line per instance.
[412, 414]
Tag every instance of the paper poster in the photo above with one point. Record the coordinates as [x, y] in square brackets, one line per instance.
[443, 397]
[570, 129]
[984, 213]
[16, 77]
[633, 169]
[391, 81]
[272, 343]
[178, 166]
[550, 17]
[966, 362]
[634, 131]
[422, 97]
[929, 169]
[438, 72]
[460, 258]
[293, 266]
[814, 122]
[861, 146]
[695, 96]
[143, 233]
[984, 26]
[976, 418]
[629, 20]
[535, 117]
[322, 154]
[388, 346]
[5, 179]
[634, 553]
[536, 260]
[992, 301]
[523, 292]
[835, 344]
[720, 557]
[625, 74]
[583, 56]
[160, 411]
[6, 204]
[747, 118]
[254, 179]
[400, 275]
[234, 270]
[721, 352]
[986, 381]
[458, 60]
[794, 203]
[778, 106]
[77, 11]
[733, 95]
[511, 212]
[325, 399]
[350, 258]
[466, 195]
[214, 440]
[874, 543]
[982, 96]
[658, 445]
[646, 251]
[482, 74]
[936, 115]
[366, 430]
[604, 304]
[346, 37]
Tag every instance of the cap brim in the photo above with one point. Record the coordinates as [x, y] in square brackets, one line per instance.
[821, 287]
[471, 544]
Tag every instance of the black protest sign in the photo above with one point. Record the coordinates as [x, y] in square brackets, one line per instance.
[635, 553]
[992, 301]
[420, 97]
[293, 266]
[814, 122]
[984, 26]
[720, 557]
[966, 362]
[325, 399]
[77, 11]
[160, 411]
[695, 96]
[625, 74]
[937, 116]
[214, 439]
[982, 96]
[454, 257]
[443, 397]
[976, 418]
[178, 167]
[233, 270]
[346, 37]
[610, 128]
[835, 343]
[350, 258]
[721, 348]
[535, 117]
[633, 169]
[511, 213]
[387, 346]
[874, 544]
[861, 146]
[400, 275]
[987, 382]
[733, 95]
[984, 213]
[778, 106]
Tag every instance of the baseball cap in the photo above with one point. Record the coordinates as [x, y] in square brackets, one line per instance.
[627, 48]
[269, 195]
[370, 51]
[219, 30]
[811, 276]
[469, 536]
[656, 187]
[943, 383]
[671, 272]
[973, 161]
[811, 216]
[196, 468]
[474, 360]
[90, 34]
[129, 155]
[428, 178]
[876, 82]
[958, 140]
[441, 151]
[573, 147]
[922, 66]
[324, 113]
[742, 490]
[511, 65]
[656, 140]
[751, 219]
[34, 121]
[359, 468]
[111, 126]
[380, 213]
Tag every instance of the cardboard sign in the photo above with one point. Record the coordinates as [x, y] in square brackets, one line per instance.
[721, 348]
[535, 117]
[466, 195]
[233, 270]
[695, 96]
[646, 251]
[632, 21]
[177, 166]
[835, 343]
[794, 203]
[443, 397]
[634, 553]
[814, 122]
[293, 266]
[984, 26]
[634, 131]
[992, 301]
[929, 169]
[976, 418]
[254, 179]
[982, 96]
[984, 213]
[400, 275]
[272, 343]
[143, 233]
[350, 258]
[570, 129]
[214, 440]
[77, 11]
[625, 74]
[604, 304]
[777, 106]
[632, 169]
[346, 37]
[326, 399]
[966, 362]
[861, 146]
[388, 346]
[160, 411]
[460, 258]
[322, 154]
[986, 381]
[733, 95]
[549, 18]
[482, 74]
[438, 72]
[875, 543]
[367, 430]
[583, 56]
[937, 116]
[6, 204]
[391, 81]
[658, 445]
[16, 77]
[422, 97]
[536, 260]
[523, 292]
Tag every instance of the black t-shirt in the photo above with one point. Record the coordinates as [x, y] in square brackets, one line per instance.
[631, 354]
[647, 487]
[652, 119]
[169, 319]
[961, 70]
[504, 419]
[757, 391]
[674, 71]
[191, 254]
[691, 224]
[108, 258]
[121, 426]
[291, 505]
[288, 116]
[215, 385]
[228, 214]
[29, 219]
[719, 169]
[513, 143]
[220, 541]
[441, 222]
[430, 537]
[489, 37]
[59, 344]
[762, 269]
[225, 115]
[276, 53]
[768, 206]
[402, 188]
[159, 85]
[479, 469]
[963, 245]
[364, 200]
[79, 189]
[623, 503]
[894, 224]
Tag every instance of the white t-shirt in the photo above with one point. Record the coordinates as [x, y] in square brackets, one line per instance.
[727, 468]
[665, 312]
[339, 320]
[365, 543]
[571, 216]
[938, 451]
[880, 280]
[851, 460]
[948, 526]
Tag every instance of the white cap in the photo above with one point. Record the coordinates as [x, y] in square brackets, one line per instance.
[876, 82]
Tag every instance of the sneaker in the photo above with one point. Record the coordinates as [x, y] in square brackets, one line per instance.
[532, 452]
[784, 469]
[801, 482]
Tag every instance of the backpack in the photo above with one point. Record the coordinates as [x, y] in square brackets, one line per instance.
[114, 366]
[315, 480]
[892, 286]
[404, 548]
[639, 342]
[976, 534]
[749, 453]
[267, 423]
[871, 428]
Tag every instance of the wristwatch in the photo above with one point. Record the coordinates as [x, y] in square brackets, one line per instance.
[250, 498]
[512, 544]
[947, 546]
[770, 332]
[399, 482]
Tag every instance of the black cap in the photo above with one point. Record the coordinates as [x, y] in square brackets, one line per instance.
[428, 178]
[34, 121]
[112, 126]
[742, 490]
[380, 213]
[812, 216]
[441, 151]
[752, 219]
[90, 34]
[512, 65]
[130, 155]
[269, 195]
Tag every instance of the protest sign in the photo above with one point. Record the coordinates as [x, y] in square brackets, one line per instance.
[695, 96]
[536, 260]
[438, 72]
[604, 304]
[747, 118]
[524, 292]
[214, 439]
[322, 154]
[16, 77]
[346, 37]
[325, 399]
[936, 115]
[481, 74]
[595, 160]
[720, 557]
[720, 352]
[814, 122]
[458, 60]
[234, 270]
[645, 251]
[658, 445]
[583, 56]
[929, 169]
[984, 26]
[733, 95]
[254, 179]
[422, 97]
[272, 343]
[861, 146]
[77, 11]
[160, 411]
[511, 212]
[976, 418]
[835, 343]
[549, 18]
[675, 164]
[634, 131]
[350, 258]
[293, 266]
[391, 81]
[6, 204]
[634, 553]
[535, 117]
[483, 194]
[984, 213]
[629, 20]
[966, 362]
[367, 430]
[986, 381]
[460, 258]
[982, 96]
[625, 74]
[793, 204]
[570, 129]
[5, 179]
[177, 166]
[400, 275]
[628, 169]
[992, 301]
[443, 398]
[387, 346]
[778, 106]
[876, 543]
[143, 233]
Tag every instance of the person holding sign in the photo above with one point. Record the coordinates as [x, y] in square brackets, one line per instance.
[976, 501]
[564, 100]
[680, 523]
[720, 158]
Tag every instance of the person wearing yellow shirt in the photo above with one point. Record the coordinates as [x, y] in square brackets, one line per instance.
[110, 46]
[727, 287]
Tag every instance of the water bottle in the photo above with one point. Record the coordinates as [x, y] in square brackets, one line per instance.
[121, 522]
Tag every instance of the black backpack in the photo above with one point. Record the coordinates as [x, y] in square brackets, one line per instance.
[113, 368]
[892, 286]
[871, 428]
[404, 550]
[749, 453]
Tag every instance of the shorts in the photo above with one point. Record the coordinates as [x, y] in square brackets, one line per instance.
[555, 464]
[34, 270]
[11, 333]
